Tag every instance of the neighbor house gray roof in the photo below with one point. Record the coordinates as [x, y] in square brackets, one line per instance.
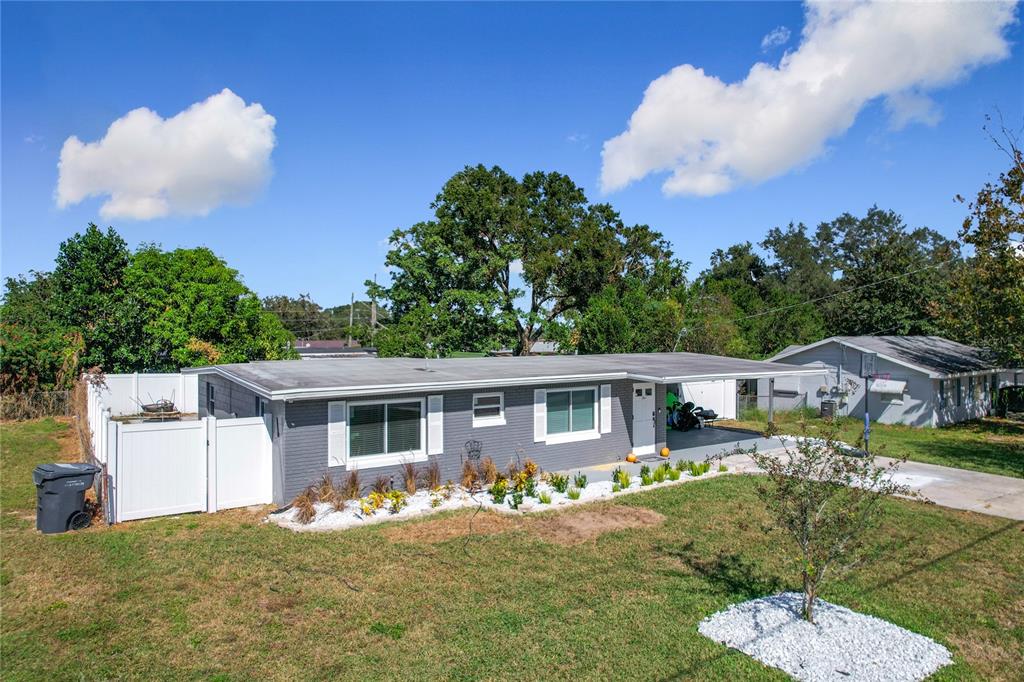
[932, 355]
[288, 379]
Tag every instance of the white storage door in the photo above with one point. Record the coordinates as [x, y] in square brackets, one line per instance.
[719, 396]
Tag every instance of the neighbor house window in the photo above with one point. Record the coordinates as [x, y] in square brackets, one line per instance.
[261, 406]
[942, 392]
[571, 411]
[488, 409]
[959, 392]
[210, 402]
[387, 428]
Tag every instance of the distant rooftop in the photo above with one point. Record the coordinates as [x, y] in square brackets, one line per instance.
[933, 354]
[340, 377]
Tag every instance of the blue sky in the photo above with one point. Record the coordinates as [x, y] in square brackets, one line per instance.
[377, 105]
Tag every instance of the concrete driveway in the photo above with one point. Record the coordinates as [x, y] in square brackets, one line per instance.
[955, 488]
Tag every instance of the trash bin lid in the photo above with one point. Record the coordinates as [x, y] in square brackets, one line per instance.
[55, 470]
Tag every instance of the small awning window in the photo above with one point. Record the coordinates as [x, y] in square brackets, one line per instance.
[888, 386]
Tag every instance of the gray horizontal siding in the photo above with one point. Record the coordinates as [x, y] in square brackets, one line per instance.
[230, 399]
[304, 445]
[919, 400]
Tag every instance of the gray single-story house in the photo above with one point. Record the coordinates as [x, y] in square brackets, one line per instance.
[374, 414]
[918, 380]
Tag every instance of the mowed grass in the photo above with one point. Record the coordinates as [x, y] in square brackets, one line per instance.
[226, 597]
[992, 445]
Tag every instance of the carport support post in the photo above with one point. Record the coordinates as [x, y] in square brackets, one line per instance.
[771, 399]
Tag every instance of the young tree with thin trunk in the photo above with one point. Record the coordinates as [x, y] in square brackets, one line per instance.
[825, 497]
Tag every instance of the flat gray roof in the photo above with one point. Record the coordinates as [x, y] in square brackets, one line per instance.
[298, 379]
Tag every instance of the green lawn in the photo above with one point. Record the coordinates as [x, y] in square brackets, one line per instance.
[224, 596]
[993, 445]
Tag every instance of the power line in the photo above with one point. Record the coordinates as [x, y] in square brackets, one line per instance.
[842, 293]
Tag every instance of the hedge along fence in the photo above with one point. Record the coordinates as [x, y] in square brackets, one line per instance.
[35, 404]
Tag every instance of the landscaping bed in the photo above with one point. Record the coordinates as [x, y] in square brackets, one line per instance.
[520, 492]
[840, 645]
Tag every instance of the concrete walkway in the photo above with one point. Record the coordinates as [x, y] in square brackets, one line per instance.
[955, 488]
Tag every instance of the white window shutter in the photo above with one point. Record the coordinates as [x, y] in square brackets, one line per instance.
[435, 424]
[337, 443]
[540, 415]
[606, 408]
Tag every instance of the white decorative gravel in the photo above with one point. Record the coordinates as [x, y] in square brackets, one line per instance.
[840, 645]
[423, 503]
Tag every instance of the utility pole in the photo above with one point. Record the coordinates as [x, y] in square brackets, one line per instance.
[351, 317]
[373, 308]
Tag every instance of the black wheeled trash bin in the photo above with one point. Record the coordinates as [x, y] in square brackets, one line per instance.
[60, 495]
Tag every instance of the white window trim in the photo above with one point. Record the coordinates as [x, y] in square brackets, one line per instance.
[391, 458]
[479, 422]
[573, 436]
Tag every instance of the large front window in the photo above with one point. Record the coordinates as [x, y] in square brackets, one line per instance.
[385, 428]
[571, 411]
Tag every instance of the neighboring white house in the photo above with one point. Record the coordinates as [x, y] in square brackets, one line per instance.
[917, 380]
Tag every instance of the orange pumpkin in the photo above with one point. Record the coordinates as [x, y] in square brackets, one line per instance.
[665, 452]
[631, 457]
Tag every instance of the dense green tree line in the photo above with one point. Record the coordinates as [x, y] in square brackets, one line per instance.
[151, 310]
[507, 261]
[597, 285]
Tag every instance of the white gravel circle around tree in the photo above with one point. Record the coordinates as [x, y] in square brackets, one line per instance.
[840, 645]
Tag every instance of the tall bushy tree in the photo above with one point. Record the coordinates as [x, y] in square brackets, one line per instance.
[454, 279]
[769, 313]
[197, 311]
[892, 276]
[104, 306]
[35, 346]
[985, 306]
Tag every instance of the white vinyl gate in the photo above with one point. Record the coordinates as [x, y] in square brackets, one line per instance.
[157, 469]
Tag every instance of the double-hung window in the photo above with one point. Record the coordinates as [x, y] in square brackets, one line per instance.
[383, 429]
[959, 392]
[488, 409]
[571, 414]
[210, 401]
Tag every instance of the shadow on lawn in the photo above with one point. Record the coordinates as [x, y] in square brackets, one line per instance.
[925, 565]
[728, 573]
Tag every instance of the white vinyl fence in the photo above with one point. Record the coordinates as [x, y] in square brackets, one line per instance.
[173, 467]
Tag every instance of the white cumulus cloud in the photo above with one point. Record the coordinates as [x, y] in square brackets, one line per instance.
[215, 152]
[776, 37]
[712, 136]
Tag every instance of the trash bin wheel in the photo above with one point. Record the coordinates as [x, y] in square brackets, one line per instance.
[79, 520]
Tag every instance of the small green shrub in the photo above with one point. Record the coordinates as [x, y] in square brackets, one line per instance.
[682, 465]
[573, 493]
[699, 468]
[624, 479]
[616, 472]
[398, 498]
[516, 499]
[659, 475]
[644, 470]
[530, 488]
[673, 474]
[580, 480]
[544, 498]
[560, 482]
[616, 488]
[498, 490]
[722, 468]
[645, 479]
